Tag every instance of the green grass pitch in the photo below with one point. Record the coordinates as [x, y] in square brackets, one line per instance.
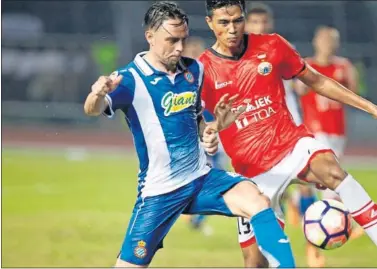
[59, 212]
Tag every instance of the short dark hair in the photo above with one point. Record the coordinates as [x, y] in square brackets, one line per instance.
[259, 8]
[211, 5]
[162, 11]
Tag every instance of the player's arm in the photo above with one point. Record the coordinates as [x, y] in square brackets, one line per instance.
[208, 138]
[201, 125]
[96, 102]
[293, 66]
[110, 93]
[331, 89]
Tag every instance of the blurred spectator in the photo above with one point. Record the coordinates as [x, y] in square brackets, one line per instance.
[194, 47]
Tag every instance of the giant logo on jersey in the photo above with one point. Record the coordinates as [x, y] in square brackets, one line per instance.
[173, 103]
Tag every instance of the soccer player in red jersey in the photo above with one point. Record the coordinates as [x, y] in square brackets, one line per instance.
[259, 20]
[265, 143]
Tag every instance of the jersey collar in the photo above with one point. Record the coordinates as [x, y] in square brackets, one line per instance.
[147, 70]
[234, 58]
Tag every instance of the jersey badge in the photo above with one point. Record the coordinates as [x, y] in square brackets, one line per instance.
[140, 251]
[173, 103]
[188, 76]
[264, 68]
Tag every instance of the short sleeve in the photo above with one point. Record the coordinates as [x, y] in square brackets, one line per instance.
[292, 63]
[122, 96]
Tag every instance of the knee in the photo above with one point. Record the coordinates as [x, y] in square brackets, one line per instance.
[255, 200]
[335, 176]
[332, 174]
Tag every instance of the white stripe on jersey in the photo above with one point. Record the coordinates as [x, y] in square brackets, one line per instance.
[160, 178]
[201, 70]
[158, 153]
[291, 101]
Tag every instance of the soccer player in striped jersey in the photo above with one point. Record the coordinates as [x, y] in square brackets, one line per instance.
[159, 93]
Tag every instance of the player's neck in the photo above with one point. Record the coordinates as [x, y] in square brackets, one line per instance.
[323, 59]
[230, 52]
[157, 64]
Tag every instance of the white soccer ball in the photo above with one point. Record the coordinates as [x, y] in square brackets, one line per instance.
[327, 224]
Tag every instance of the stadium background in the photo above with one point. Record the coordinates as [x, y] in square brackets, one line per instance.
[69, 181]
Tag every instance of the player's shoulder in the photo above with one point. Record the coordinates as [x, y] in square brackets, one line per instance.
[205, 57]
[272, 41]
[128, 79]
[341, 61]
[193, 65]
[271, 38]
[188, 62]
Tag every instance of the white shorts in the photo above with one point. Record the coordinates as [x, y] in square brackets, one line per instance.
[274, 182]
[336, 142]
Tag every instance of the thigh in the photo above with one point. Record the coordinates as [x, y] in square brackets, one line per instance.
[151, 220]
[274, 182]
[210, 199]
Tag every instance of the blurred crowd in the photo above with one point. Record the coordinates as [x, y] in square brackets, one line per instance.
[54, 58]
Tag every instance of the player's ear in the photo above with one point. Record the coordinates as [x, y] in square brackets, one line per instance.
[209, 22]
[149, 36]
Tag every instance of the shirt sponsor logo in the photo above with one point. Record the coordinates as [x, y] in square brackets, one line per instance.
[173, 103]
[221, 85]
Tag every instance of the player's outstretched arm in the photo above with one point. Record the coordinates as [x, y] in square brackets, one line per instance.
[224, 114]
[331, 89]
[96, 103]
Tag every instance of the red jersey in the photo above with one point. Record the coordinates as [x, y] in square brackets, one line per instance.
[321, 114]
[265, 133]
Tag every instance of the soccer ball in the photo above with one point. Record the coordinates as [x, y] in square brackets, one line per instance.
[327, 224]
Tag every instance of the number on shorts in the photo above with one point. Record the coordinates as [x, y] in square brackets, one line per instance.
[243, 226]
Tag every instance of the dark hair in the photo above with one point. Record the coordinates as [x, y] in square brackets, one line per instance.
[162, 11]
[259, 8]
[211, 5]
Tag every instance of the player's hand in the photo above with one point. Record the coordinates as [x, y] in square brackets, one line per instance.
[224, 114]
[210, 140]
[106, 84]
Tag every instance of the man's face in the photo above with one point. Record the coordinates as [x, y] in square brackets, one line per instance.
[326, 41]
[228, 25]
[167, 42]
[259, 23]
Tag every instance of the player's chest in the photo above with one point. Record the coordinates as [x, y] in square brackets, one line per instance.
[172, 95]
[251, 74]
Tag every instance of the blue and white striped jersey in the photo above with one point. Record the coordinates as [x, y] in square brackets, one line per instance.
[161, 111]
